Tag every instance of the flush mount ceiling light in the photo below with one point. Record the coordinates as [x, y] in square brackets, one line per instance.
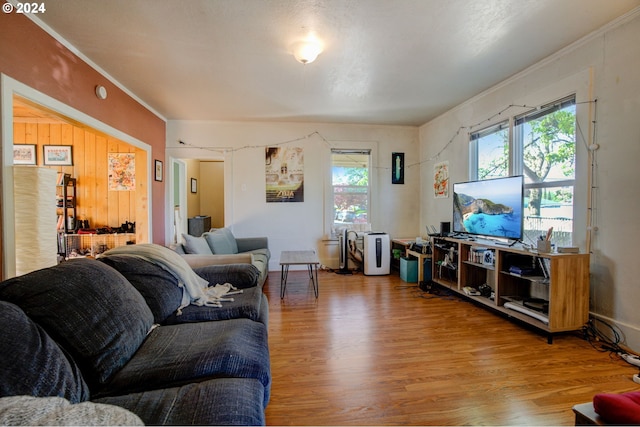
[306, 52]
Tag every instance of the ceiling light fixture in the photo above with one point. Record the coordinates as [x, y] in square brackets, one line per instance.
[306, 52]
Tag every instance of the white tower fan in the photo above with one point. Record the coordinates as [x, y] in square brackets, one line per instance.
[344, 252]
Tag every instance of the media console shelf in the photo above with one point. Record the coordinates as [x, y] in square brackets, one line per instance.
[546, 290]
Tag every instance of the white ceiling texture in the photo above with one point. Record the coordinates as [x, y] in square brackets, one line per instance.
[400, 62]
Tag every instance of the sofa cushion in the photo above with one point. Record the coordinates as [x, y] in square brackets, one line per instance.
[223, 401]
[56, 411]
[196, 245]
[250, 304]
[176, 355]
[88, 308]
[158, 287]
[221, 241]
[618, 408]
[34, 365]
[239, 275]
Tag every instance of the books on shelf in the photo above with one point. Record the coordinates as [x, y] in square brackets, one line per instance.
[61, 178]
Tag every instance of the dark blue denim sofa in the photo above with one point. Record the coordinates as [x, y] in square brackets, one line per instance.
[106, 331]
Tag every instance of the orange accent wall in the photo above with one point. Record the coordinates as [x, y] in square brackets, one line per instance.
[30, 55]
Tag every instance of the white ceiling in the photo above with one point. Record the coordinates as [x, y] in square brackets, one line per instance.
[398, 62]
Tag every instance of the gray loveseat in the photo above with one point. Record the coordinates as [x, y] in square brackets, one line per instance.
[220, 246]
[107, 332]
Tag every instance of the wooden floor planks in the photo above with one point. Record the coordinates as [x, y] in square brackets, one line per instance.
[374, 350]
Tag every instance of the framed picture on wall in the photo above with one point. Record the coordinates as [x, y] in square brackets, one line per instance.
[24, 154]
[158, 171]
[397, 168]
[194, 185]
[57, 155]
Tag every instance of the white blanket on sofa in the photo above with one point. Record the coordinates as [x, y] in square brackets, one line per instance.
[57, 411]
[196, 290]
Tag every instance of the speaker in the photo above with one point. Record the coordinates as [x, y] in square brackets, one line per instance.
[445, 228]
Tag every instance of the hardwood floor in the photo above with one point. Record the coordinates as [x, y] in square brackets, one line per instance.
[374, 350]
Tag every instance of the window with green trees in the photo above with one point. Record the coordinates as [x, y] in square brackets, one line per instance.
[543, 149]
[350, 184]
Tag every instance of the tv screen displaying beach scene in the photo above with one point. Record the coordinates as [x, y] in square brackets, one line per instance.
[491, 207]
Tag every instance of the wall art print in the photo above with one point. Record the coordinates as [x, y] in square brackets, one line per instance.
[122, 171]
[24, 154]
[397, 168]
[284, 174]
[441, 180]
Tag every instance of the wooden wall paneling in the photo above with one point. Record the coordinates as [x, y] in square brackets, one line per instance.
[101, 217]
[89, 178]
[19, 131]
[55, 137]
[78, 171]
[31, 133]
[90, 166]
[44, 134]
[113, 196]
[67, 139]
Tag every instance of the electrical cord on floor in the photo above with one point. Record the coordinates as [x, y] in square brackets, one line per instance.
[599, 340]
[608, 342]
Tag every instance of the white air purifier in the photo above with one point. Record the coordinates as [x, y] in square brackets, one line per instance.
[377, 254]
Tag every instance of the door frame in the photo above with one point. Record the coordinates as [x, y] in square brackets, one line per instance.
[8, 88]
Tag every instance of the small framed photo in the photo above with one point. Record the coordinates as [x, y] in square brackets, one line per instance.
[24, 154]
[194, 185]
[397, 168]
[158, 171]
[57, 155]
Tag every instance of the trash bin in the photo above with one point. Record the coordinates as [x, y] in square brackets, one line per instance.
[409, 269]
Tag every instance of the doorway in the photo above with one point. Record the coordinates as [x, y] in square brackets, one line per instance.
[25, 112]
[207, 200]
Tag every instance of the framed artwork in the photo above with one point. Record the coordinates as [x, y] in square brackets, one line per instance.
[194, 185]
[24, 154]
[122, 171]
[441, 180]
[158, 171]
[57, 155]
[397, 168]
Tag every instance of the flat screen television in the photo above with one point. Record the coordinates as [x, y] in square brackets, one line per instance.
[491, 207]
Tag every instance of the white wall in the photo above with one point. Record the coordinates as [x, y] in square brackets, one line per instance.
[290, 226]
[604, 66]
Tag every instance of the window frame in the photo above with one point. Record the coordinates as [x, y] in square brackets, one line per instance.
[347, 151]
[516, 149]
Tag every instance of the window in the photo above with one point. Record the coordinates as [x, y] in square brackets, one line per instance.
[351, 186]
[490, 151]
[543, 149]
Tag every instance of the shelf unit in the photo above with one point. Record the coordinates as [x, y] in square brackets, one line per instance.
[66, 204]
[82, 245]
[546, 290]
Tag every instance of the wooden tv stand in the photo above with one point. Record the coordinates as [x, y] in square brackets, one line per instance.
[549, 291]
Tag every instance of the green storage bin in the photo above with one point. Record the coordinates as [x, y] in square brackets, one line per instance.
[409, 269]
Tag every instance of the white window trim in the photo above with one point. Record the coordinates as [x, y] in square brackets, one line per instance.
[374, 195]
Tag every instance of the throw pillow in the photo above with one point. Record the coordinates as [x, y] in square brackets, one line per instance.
[31, 363]
[623, 408]
[158, 286]
[89, 309]
[196, 245]
[221, 241]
